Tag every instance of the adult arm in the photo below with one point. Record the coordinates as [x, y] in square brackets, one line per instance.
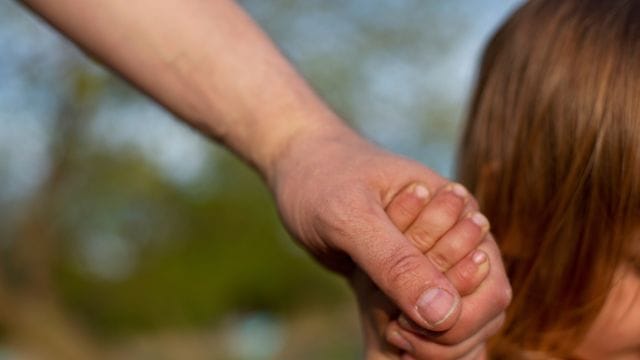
[211, 65]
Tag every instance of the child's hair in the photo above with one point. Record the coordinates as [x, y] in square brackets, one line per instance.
[551, 150]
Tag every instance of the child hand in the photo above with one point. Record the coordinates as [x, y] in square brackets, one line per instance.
[447, 228]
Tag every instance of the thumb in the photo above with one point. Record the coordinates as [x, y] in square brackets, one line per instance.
[404, 274]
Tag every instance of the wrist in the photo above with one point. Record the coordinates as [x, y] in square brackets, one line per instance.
[300, 142]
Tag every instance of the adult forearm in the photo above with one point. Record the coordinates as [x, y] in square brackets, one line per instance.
[206, 61]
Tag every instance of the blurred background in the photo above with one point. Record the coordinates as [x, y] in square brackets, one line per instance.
[126, 235]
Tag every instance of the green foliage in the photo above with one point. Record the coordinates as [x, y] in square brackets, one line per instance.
[223, 251]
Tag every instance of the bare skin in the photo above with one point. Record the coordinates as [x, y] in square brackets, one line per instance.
[457, 242]
[211, 65]
[615, 334]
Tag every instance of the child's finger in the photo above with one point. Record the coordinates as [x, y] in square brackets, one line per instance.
[459, 241]
[406, 206]
[469, 273]
[418, 343]
[441, 213]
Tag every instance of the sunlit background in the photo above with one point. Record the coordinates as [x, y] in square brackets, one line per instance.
[126, 235]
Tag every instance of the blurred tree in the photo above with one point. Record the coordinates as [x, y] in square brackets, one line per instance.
[30, 313]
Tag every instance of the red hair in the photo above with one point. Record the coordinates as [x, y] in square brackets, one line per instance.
[551, 150]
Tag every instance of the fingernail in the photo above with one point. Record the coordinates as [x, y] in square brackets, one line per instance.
[400, 342]
[402, 320]
[421, 191]
[436, 305]
[459, 190]
[479, 257]
[480, 220]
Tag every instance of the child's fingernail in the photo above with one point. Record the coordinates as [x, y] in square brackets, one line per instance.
[480, 220]
[396, 339]
[421, 191]
[404, 322]
[459, 190]
[479, 257]
[436, 305]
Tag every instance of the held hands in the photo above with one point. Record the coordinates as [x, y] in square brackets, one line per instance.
[451, 235]
[332, 188]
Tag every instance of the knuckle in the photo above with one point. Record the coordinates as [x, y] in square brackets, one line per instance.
[400, 266]
[337, 216]
[469, 234]
[402, 215]
[507, 296]
[503, 295]
[440, 260]
[501, 300]
[420, 238]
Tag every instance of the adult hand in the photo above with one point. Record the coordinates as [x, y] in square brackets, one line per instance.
[481, 317]
[453, 236]
[332, 188]
[390, 336]
[382, 321]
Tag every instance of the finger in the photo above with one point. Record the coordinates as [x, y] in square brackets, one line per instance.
[469, 273]
[402, 272]
[439, 215]
[459, 241]
[488, 301]
[479, 353]
[420, 346]
[376, 312]
[404, 209]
